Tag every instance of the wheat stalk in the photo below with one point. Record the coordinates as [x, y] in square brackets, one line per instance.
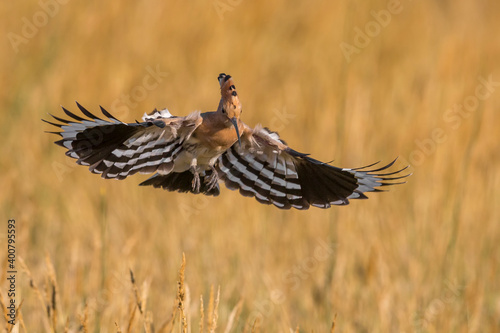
[181, 295]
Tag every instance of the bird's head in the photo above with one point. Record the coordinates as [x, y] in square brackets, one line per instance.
[229, 105]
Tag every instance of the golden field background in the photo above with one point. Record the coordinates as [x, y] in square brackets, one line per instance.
[424, 257]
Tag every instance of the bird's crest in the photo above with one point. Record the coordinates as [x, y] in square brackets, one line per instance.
[230, 102]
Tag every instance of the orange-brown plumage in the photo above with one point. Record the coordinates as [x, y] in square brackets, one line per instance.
[218, 131]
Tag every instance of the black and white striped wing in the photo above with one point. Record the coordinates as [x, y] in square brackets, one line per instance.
[264, 167]
[116, 149]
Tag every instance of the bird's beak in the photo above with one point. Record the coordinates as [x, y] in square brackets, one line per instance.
[235, 123]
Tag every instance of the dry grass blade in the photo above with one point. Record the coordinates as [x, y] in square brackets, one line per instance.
[140, 301]
[255, 326]
[187, 304]
[53, 306]
[18, 311]
[136, 292]
[233, 316]
[4, 308]
[52, 291]
[169, 323]
[84, 319]
[333, 323]
[5, 264]
[33, 285]
[202, 314]
[181, 293]
[148, 322]
[21, 321]
[10, 327]
[210, 307]
[131, 318]
[147, 316]
[215, 314]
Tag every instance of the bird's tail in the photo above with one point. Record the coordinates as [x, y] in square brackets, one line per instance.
[182, 182]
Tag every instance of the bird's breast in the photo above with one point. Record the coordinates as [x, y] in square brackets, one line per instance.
[216, 139]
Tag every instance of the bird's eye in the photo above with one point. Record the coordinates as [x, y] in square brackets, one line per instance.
[223, 110]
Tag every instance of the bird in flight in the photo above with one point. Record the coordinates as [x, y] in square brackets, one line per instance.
[192, 153]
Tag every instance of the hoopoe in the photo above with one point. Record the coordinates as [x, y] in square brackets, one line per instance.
[192, 153]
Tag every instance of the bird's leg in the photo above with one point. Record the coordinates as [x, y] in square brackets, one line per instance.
[196, 176]
[213, 179]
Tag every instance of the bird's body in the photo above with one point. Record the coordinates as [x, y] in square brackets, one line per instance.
[192, 153]
[214, 136]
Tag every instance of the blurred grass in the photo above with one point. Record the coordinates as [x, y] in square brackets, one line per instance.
[423, 257]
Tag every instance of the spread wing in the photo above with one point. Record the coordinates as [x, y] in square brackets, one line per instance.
[264, 167]
[116, 149]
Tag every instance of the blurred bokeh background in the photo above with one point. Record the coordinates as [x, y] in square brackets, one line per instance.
[351, 81]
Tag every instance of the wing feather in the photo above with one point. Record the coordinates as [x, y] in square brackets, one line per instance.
[117, 150]
[266, 168]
